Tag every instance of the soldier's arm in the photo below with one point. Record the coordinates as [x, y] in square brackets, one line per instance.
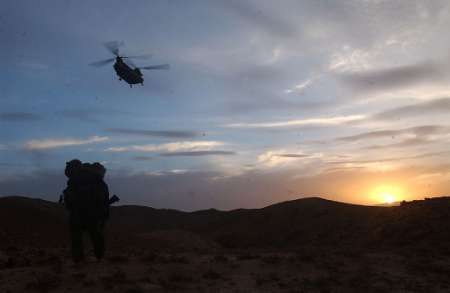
[106, 192]
[105, 199]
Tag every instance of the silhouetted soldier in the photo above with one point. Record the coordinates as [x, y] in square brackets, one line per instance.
[87, 200]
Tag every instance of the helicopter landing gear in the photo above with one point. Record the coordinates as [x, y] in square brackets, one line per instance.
[142, 84]
[131, 86]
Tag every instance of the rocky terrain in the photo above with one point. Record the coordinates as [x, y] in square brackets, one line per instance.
[305, 245]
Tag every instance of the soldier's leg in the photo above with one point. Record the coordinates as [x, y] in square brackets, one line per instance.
[97, 238]
[76, 233]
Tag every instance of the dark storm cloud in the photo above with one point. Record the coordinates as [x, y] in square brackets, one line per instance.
[19, 117]
[394, 77]
[198, 154]
[436, 106]
[418, 131]
[155, 133]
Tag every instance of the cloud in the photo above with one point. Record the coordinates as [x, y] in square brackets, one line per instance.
[259, 88]
[436, 106]
[189, 190]
[390, 159]
[394, 77]
[198, 153]
[423, 130]
[409, 142]
[85, 115]
[299, 88]
[95, 114]
[143, 158]
[409, 137]
[176, 189]
[51, 143]
[349, 60]
[19, 117]
[156, 133]
[245, 105]
[293, 156]
[256, 15]
[231, 62]
[338, 120]
[281, 158]
[169, 147]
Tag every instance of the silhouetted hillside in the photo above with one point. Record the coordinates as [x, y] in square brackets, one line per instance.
[292, 224]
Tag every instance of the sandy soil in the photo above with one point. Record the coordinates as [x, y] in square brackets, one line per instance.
[307, 270]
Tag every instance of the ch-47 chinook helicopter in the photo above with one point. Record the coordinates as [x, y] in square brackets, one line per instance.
[127, 70]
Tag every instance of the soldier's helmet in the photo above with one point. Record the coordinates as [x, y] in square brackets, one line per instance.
[72, 167]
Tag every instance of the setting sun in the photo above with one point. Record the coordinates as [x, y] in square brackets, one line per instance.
[387, 194]
[388, 198]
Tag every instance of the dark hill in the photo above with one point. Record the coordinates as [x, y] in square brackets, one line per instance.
[292, 224]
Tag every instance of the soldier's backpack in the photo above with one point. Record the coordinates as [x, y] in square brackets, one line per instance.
[88, 194]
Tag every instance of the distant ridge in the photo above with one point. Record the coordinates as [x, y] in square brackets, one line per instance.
[290, 224]
[392, 204]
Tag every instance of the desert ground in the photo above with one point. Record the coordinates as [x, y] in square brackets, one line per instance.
[35, 256]
[305, 270]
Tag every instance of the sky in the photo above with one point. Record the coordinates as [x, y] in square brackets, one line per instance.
[265, 101]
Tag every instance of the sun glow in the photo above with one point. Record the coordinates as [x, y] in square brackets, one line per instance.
[388, 198]
[386, 194]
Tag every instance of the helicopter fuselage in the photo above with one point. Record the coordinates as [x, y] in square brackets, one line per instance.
[125, 72]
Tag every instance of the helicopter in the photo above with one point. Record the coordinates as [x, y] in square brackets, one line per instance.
[127, 71]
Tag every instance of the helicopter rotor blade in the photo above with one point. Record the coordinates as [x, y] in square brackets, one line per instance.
[102, 62]
[156, 67]
[144, 56]
[113, 47]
